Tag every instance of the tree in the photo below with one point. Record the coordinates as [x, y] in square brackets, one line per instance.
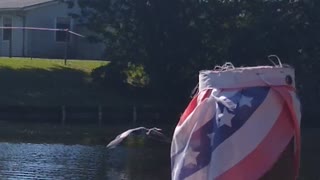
[161, 35]
[173, 39]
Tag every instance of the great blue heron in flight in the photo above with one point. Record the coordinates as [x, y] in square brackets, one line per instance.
[141, 134]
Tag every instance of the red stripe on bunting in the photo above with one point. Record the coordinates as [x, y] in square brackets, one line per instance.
[192, 105]
[267, 152]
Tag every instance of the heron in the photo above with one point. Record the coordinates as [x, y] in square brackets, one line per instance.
[140, 136]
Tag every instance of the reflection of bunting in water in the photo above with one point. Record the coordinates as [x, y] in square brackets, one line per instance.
[236, 128]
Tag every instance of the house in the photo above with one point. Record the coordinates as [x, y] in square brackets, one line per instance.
[43, 44]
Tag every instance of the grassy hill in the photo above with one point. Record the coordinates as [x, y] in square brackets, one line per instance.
[44, 82]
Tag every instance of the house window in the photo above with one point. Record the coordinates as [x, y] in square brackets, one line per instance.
[63, 23]
[7, 33]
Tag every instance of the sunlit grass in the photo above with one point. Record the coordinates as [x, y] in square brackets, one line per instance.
[48, 64]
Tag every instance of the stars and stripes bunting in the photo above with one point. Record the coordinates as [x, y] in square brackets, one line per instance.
[236, 133]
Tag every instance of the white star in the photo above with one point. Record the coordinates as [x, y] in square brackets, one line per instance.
[225, 118]
[211, 137]
[227, 102]
[245, 101]
[190, 157]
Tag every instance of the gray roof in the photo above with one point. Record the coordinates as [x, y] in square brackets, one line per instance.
[20, 4]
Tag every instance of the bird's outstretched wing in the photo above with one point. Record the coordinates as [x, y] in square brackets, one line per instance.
[123, 136]
[152, 133]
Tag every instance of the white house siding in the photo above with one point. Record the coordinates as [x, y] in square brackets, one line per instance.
[17, 36]
[43, 44]
[89, 50]
[86, 49]
[1, 54]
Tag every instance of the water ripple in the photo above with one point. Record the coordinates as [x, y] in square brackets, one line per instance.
[57, 161]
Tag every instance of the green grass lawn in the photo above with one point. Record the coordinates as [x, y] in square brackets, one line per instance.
[44, 82]
[48, 64]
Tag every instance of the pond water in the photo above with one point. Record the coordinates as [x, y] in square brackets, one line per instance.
[58, 161]
[43, 160]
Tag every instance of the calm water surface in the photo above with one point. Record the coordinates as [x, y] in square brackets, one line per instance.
[57, 161]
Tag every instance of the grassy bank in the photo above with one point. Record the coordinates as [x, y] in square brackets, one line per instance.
[85, 66]
[44, 82]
